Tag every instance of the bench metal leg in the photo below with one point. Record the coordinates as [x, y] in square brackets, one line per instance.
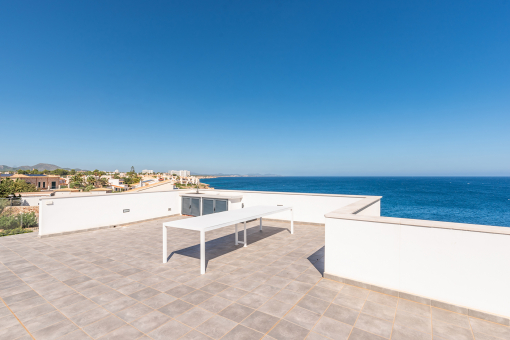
[165, 249]
[202, 252]
[261, 224]
[245, 239]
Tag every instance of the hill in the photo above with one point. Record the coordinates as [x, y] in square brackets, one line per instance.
[39, 166]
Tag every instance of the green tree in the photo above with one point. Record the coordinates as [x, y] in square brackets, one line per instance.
[10, 187]
[103, 181]
[76, 181]
[91, 180]
[132, 179]
[60, 172]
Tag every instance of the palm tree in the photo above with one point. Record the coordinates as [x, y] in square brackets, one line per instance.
[103, 182]
[91, 180]
[76, 181]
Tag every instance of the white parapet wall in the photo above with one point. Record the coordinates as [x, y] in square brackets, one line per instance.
[459, 264]
[307, 207]
[58, 215]
[72, 214]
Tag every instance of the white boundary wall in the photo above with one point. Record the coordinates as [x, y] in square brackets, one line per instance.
[70, 214]
[309, 208]
[460, 267]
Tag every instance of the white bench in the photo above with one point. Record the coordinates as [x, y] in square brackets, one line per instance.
[220, 220]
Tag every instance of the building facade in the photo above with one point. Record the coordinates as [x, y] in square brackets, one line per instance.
[180, 173]
[42, 182]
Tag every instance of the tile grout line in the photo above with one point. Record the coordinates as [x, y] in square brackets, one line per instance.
[215, 314]
[10, 310]
[310, 331]
[364, 302]
[432, 324]
[281, 318]
[47, 299]
[151, 271]
[395, 317]
[81, 328]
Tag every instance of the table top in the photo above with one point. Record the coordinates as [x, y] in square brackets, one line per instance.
[225, 218]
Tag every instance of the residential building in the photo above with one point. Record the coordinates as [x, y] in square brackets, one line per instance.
[117, 188]
[146, 172]
[180, 173]
[117, 184]
[155, 186]
[43, 182]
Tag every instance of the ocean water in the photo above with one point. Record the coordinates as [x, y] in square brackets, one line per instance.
[476, 200]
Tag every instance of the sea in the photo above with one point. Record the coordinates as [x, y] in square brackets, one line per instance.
[475, 200]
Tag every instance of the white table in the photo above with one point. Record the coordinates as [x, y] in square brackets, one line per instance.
[220, 220]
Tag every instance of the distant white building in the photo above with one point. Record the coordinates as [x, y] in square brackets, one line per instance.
[116, 171]
[147, 171]
[180, 173]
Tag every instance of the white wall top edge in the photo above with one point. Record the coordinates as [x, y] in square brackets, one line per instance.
[358, 206]
[424, 223]
[291, 193]
[186, 191]
[349, 213]
[109, 195]
[205, 195]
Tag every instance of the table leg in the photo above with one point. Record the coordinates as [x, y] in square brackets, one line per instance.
[291, 221]
[237, 237]
[165, 248]
[245, 239]
[202, 252]
[261, 224]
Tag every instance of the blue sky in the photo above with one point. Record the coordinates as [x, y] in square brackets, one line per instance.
[284, 87]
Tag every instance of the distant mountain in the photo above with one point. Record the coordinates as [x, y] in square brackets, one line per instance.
[6, 168]
[39, 166]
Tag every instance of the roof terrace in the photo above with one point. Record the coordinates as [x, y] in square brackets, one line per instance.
[111, 283]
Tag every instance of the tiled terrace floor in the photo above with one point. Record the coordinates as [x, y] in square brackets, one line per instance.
[111, 284]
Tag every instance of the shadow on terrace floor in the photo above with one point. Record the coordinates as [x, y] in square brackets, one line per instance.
[225, 244]
[317, 259]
